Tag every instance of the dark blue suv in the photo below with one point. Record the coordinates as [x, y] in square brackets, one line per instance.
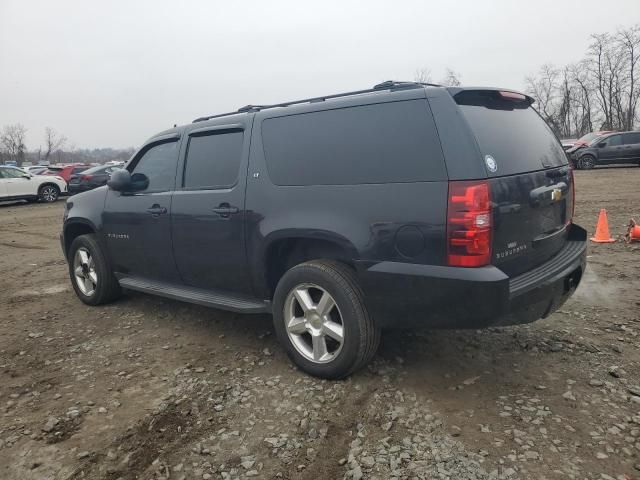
[399, 206]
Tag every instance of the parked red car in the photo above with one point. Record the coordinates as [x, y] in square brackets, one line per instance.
[66, 171]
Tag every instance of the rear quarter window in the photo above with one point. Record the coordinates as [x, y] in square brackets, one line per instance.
[513, 134]
[382, 143]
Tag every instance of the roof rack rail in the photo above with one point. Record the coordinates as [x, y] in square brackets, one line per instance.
[387, 85]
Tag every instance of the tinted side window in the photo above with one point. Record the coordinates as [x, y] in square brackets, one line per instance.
[213, 160]
[382, 143]
[79, 169]
[12, 173]
[159, 165]
[632, 138]
[614, 141]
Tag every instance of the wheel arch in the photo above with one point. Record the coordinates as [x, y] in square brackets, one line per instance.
[73, 230]
[49, 184]
[285, 251]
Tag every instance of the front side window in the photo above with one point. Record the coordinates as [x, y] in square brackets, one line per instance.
[613, 141]
[12, 173]
[213, 160]
[158, 164]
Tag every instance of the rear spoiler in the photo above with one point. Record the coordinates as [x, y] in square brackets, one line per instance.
[505, 93]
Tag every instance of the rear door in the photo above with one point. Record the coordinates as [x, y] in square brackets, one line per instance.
[631, 147]
[207, 219]
[531, 185]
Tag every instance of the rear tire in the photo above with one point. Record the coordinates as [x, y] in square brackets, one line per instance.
[90, 272]
[586, 162]
[332, 335]
[48, 193]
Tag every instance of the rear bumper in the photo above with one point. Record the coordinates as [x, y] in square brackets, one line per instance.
[403, 295]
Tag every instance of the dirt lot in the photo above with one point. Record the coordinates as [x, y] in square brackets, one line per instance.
[152, 388]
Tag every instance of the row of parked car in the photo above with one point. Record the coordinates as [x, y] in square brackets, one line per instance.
[604, 148]
[47, 182]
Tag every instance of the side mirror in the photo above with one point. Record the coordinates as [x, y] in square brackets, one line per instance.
[120, 180]
[602, 144]
[139, 182]
[27, 176]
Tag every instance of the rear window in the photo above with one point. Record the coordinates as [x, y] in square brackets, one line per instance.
[632, 138]
[382, 143]
[213, 160]
[510, 132]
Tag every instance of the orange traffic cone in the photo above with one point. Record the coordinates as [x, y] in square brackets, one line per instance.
[633, 232]
[602, 229]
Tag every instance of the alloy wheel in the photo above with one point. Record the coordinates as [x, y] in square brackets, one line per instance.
[84, 271]
[49, 194]
[586, 162]
[313, 323]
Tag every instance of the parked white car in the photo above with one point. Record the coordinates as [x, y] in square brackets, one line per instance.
[16, 184]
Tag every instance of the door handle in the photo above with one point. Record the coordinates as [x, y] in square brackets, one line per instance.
[156, 210]
[224, 210]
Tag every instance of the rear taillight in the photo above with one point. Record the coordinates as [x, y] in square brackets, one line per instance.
[469, 224]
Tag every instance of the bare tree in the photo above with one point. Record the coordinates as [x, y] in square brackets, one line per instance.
[629, 41]
[451, 78]
[422, 75]
[53, 142]
[12, 140]
[544, 88]
[600, 91]
[582, 95]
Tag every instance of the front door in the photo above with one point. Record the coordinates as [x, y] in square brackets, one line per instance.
[3, 183]
[208, 209]
[18, 183]
[137, 226]
[631, 147]
[611, 150]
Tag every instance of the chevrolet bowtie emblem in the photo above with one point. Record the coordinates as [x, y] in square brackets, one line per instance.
[556, 194]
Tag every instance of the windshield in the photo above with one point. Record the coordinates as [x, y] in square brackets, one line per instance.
[595, 139]
[589, 137]
[97, 169]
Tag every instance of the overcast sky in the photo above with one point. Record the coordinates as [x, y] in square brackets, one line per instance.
[112, 73]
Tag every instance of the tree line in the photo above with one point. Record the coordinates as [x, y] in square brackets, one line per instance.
[57, 149]
[598, 92]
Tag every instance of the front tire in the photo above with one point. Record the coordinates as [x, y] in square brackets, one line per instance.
[321, 320]
[48, 193]
[91, 274]
[586, 162]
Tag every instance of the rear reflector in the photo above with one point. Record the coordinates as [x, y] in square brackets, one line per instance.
[469, 224]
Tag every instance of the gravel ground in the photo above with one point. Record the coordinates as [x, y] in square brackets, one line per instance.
[151, 388]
